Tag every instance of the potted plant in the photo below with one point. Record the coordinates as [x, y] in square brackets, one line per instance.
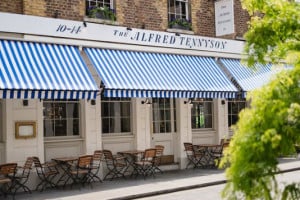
[101, 13]
[180, 23]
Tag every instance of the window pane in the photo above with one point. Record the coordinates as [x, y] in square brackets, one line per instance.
[162, 127]
[155, 127]
[202, 116]
[234, 107]
[125, 111]
[163, 115]
[125, 125]
[168, 115]
[61, 118]
[72, 110]
[168, 127]
[105, 125]
[104, 109]
[116, 115]
[48, 128]
[60, 127]
[172, 6]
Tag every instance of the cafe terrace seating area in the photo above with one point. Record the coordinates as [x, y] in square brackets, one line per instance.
[84, 170]
[205, 155]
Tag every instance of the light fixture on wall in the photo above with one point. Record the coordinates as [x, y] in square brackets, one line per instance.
[25, 102]
[129, 29]
[177, 34]
[147, 101]
[223, 102]
[93, 102]
[189, 101]
[84, 24]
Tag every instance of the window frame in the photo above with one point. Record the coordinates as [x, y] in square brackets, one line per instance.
[102, 3]
[204, 101]
[229, 113]
[179, 15]
[172, 120]
[88, 3]
[112, 100]
[79, 118]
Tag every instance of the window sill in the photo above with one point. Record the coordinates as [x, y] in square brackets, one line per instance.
[203, 131]
[63, 139]
[117, 135]
[174, 30]
[100, 21]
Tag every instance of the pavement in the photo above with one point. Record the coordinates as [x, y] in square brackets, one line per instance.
[135, 188]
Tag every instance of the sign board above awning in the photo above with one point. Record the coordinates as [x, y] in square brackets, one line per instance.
[33, 25]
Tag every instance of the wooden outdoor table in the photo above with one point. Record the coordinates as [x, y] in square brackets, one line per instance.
[131, 157]
[65, 164]
[208, 149]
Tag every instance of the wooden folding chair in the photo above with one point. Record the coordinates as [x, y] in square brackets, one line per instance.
[7, 181]
[80, 172]
[195, 157]
[218, 152]
[97, 157]
[116, 165]
[22, 175]
[159, 154]
[46, 173]
[146, 166]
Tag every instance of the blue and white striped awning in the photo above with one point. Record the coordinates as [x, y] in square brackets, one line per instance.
[248, 78]
[45, 71]
[144, 74]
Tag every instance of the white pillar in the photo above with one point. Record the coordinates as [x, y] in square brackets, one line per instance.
[92, 125]
[143, 124]
[184, 129]
[222, 119]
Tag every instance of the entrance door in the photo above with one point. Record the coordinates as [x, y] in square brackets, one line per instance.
[163, 123]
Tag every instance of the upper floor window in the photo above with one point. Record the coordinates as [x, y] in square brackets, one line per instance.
[202, 113]
[179, 14]
[116, 115]
[163, 115]
[101, 9]
[61, 118]
[234, 107]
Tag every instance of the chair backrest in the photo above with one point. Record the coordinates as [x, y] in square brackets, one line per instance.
[37, 162]
[107, 154]
[27, 166]
[109, 159]
[8, 169]
[159, 150]
[85, 161]
[38, 166]
[97, 158]
[149, 154]
[189, 149]
[97, 155]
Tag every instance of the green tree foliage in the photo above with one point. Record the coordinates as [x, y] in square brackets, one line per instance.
[270, 128]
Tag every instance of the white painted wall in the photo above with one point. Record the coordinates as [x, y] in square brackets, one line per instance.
[17, 150]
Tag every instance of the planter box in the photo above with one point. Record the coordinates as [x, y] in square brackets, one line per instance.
[177, 26]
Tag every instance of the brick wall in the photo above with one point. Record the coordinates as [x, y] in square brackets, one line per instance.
[12, 6]
[66, 9]
[203, 17]
[34, 7]
[152, 15]
[138, 14]
[241, 18]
